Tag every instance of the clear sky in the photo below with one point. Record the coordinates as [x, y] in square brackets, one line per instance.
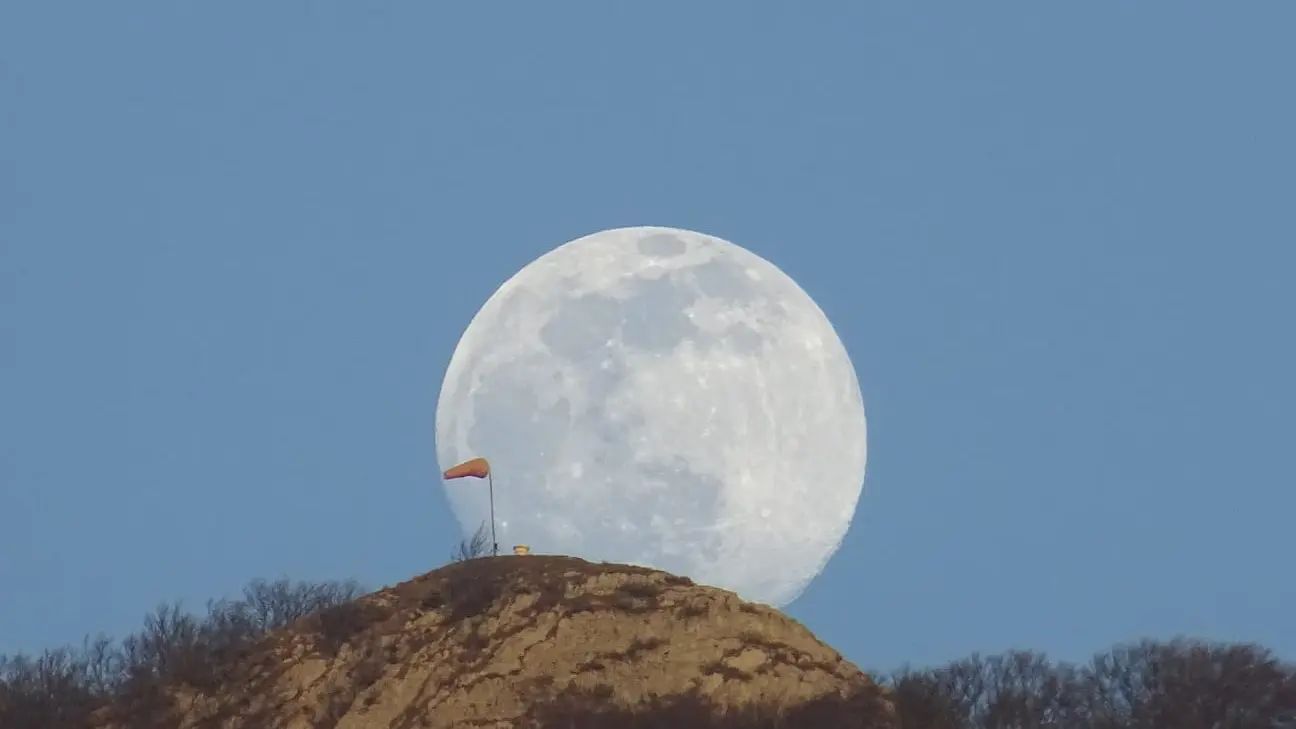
[239, 242]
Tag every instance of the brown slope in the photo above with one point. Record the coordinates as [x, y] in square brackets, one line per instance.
[530, 641]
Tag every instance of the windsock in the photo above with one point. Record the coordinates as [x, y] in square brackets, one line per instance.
[476, 468]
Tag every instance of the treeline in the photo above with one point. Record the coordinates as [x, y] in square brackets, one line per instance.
[1179, 684]
[62, 688]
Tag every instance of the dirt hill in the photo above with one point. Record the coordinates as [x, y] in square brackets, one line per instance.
[527, 641]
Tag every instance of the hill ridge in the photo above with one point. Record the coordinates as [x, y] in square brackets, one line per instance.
[526, 641]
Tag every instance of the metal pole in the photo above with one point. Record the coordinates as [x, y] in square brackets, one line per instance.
[490, 482]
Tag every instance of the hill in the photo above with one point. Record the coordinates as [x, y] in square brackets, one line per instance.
[523, 641]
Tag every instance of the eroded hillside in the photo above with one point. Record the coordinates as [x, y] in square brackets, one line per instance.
[530, 641]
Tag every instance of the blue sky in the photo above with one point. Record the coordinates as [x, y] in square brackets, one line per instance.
[240, 240]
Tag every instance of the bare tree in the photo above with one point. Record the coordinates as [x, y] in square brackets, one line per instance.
[63, 687]
[274, 605]
[1188, 684]
[478, 545]
[925, 699]
[103, 666]
[1014, 690]
[48, 692]
[1179, 684]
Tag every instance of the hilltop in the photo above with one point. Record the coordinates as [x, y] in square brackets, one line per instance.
[524, 641]
[556, 642]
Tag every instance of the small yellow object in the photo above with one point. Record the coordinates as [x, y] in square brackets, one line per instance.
[521, 549]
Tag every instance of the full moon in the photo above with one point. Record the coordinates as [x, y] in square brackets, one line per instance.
[659, 397]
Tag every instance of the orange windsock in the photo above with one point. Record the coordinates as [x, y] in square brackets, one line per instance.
[477, 468]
